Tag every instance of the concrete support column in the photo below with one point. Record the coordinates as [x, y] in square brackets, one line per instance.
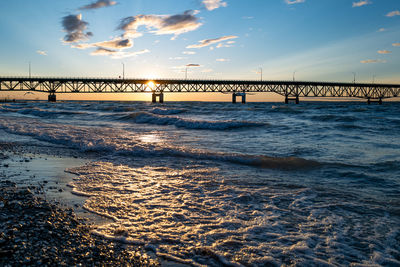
[295, 99]
[159, 95]
[234, 98]
[244, 98]
[52, 98]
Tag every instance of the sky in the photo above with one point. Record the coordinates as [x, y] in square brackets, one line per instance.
[308, 40]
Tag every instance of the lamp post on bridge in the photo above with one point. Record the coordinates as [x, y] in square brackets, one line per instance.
[123, 70]
[294, 73]
[29, 70]
[354, 80]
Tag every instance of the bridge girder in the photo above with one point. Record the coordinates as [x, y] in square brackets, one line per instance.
[287, 89]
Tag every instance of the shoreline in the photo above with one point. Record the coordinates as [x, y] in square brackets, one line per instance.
[43, 223]
[38, 233]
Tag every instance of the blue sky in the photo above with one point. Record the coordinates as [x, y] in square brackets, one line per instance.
[326, 40]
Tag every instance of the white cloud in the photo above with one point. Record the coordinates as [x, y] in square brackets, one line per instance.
[396, 44]
[177, 58]
[40, 52]
[361, 3]
[161, 24]
[117, 54]
[207, 70]
[382, 30]
[189, 52]
[207, 42]
[117, 43]
[368, 61]
[99, 4]
[291, 2]
[393, 13]
[213, 4]
[384, 52]
[222, 60]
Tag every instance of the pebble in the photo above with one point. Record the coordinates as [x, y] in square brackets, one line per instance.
[37, 233]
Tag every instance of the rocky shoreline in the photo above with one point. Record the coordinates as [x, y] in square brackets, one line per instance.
[38, 226]
[35, 232]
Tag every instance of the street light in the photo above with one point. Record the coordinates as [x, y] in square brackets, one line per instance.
[354, 74]
[294, 73]
[29, 70]
[123, 70]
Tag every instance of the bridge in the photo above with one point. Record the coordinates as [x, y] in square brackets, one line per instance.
[290, 90]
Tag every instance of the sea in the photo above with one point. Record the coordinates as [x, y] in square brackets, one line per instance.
[222, 184]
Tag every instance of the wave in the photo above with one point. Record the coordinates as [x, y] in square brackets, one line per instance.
[107, 140]
[47, 113]
[148, 118]
[37, 112]
[161, 111]
[334, 118]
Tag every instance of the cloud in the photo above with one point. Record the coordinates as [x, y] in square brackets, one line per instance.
[384, 52]
[361, 3]
[99, 4]
[40, 52]
[188, 52]
[75, 27]
[368, 61]
[183, 67]
[291, 2]
[207, 42]
[222, 60]
[396, 44]
[117, 43]
[162, 24]
[207, 70]
[393, 13]
[247, 17]
[177, 58]
[382, 30]
[213, 4]
[117, 54]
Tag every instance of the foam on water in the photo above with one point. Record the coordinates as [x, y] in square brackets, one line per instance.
[194, 215]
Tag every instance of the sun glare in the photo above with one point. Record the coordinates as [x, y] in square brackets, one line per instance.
[150, 86]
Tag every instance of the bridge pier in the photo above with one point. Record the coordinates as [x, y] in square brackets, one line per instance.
[379, 101]
[295, 99]
[243, 95]
[159, 95]
[52, 97]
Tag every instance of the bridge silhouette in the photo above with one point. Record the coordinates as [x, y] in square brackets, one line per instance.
[290, 90]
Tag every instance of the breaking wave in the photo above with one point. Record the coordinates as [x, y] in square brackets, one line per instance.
[148, 118]
[100, 140]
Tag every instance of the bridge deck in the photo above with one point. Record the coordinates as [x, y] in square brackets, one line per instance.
[289, 89]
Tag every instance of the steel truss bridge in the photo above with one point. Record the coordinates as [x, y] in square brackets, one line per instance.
[291, 90]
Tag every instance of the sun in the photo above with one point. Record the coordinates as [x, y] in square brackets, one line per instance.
[150, 85]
